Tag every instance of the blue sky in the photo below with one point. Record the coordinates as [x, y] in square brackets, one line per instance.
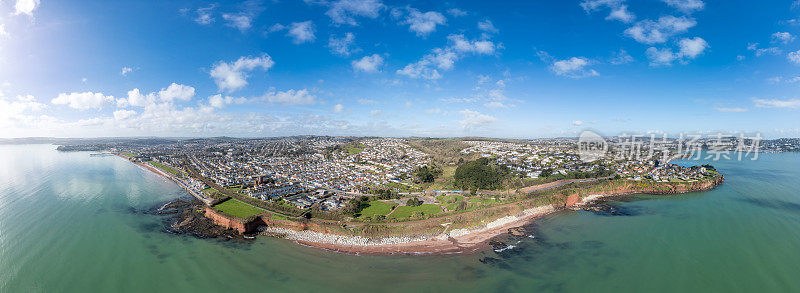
[520, 69]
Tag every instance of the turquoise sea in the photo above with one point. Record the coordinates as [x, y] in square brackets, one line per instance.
[74, 223]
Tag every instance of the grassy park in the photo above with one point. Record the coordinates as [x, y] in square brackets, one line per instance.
[376, 208]
[407, 211]
[237, 208]
[166, 168]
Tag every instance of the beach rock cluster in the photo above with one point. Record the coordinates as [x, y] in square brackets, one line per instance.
[187, 220]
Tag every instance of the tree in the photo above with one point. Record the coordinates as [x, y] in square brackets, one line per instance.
[479, 174]
[413, 202]
[546, 172]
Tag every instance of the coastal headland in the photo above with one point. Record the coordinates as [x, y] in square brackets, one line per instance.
[456, 233]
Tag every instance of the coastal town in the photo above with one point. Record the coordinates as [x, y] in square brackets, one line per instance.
[402, 190]
[325, 172]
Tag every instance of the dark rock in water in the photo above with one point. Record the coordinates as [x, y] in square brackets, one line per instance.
[518, 231]
[605, 209]
[187, 219]
[496, 262]
[497, 245]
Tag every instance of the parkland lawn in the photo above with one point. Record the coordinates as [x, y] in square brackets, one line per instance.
[377, 208]
[238, 209]
[165, 168]
[406, 211]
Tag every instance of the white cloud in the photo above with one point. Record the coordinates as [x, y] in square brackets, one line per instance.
[688, 49]
[291, 97]
[619, 11]
[691, 48]
[433, 111]
[3, 32]
[176, 91]
[83, 101]
[621, 57]
[686, 6]
[218, 101]
[761, 51]
[444, 59]
[495, 104]
[135, 98]
[123, 114]
[338, 108]
[367, 102]
[577, 123]
[659, 57]
[375, 113]
[19, 112]
[462, 45]
[25, 6]
[126, 70]
[794, 57]
[775, 103]
[173, 92]
[204, 15]
[622, 14]
[301, 32]
[456, 12]
[425, 23]
[574, 67]
[732, 110]
[240, 21]
[782, 37]
[487, 26]
[426, 67]
[342, 46]
[345, 11]
[368, 63]
[232, 76]
[474, 119]
[652, 32]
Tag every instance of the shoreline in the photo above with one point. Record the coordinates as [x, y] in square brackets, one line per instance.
[456, 241]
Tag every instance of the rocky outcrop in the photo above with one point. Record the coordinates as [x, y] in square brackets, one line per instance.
[655, 188]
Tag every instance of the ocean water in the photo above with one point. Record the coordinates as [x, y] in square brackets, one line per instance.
[74, 223]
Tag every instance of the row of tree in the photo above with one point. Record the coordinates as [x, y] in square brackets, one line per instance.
[479, 174]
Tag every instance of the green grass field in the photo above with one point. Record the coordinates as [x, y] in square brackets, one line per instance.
[377, 208]
[208, 191]
[354, 149]
[445, 181]
[167, 169]
[235, 188]
[127, 154]
[453, 198]
[406, 211]
[238, 209]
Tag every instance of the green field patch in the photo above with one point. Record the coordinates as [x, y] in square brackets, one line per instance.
[354, 149]
[406, 211]
[453, 198]
[209, 191]
[238, 209]
[278, 217]
[375, 208]
[235, 188]
[166, 168]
